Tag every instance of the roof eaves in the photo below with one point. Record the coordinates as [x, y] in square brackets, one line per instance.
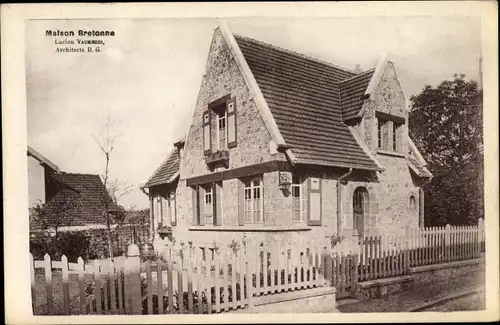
[32, 152]
[170, 153]
[353, 166]
[364, 147]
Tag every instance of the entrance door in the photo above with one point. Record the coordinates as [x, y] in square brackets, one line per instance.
[360, 201]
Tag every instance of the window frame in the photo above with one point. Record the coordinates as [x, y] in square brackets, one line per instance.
[297, 184]
[251, 188]
[171, 207]
[396, 139]
[381, 123]
[220, 117]
[208, 193]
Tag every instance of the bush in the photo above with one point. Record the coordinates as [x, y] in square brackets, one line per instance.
[71, 244]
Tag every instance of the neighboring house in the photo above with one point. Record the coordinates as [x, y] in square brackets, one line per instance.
[39, 171]
[77, 198]
[284, 146]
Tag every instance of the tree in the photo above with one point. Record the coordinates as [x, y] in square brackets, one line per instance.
[445, 123]
[51, 216]
[112, 213]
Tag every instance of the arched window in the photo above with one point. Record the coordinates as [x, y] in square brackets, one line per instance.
[360, 204]
[413, 203]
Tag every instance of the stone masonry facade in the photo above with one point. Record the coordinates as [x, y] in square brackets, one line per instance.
[388, 191]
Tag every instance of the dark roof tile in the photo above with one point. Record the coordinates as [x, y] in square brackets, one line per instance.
[168, 169]
[304, 96]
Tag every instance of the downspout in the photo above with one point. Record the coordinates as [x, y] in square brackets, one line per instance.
[339, 202]
[421, 204]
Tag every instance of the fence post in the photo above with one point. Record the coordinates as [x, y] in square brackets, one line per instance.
[480, 226]
[133, 264]
[447, 241]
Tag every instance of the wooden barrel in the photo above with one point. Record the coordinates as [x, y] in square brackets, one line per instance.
[147, 249]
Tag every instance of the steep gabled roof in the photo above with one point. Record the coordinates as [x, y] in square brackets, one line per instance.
[167, 171]
[304, 96]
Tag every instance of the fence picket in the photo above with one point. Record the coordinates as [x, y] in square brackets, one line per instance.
[190, 279]
[120, 283]
[97, 290]
[81, 286]
[361, 259]
[65, 284]
[170, 281]
[112, 287]
[33, 282]
[209, 282]
[233, 280]
[149, 283]
[48, 283]
[242, 270]
[249, 276]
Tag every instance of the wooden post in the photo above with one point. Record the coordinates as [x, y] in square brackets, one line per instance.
[81, 285]
[33, 282]
[48, 283]
[65, 283]
[133, 264]
[249, 276]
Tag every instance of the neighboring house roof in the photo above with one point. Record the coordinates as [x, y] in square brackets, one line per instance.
[80, 200]
[167, 171]
[44, 161]
[417, 167]
[304, 96]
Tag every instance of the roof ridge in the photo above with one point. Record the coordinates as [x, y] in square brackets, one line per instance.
[81, 174]
[298, 54]
[358, 75]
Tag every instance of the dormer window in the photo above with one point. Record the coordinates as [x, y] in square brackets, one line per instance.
[389, 132]
[223, 111]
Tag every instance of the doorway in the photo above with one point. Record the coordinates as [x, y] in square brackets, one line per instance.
[360, 209]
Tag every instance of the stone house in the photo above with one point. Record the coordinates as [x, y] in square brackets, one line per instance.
[284, 146]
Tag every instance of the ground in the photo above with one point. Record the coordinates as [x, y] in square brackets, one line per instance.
[421, 293]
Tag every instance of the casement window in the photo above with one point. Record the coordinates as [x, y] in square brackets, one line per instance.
[396, 136]
[389, 132]
[253, 200]
[207, 204]
[297, 199]
[166, 209]
[158, 213]
[222, 130]
[383, 134]
[223, 111]
[209, 207]
[171, 208]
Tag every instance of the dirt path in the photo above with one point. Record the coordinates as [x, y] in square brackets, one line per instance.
[420, 293]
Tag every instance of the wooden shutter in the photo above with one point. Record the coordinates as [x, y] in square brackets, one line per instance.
[173, 217]
[218, 204]
[207, 139]
[241, 203]
[201, 205]
[195, 205]
[231, 123]
[314, 202]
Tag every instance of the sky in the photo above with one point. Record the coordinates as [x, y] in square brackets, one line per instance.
[148, 76]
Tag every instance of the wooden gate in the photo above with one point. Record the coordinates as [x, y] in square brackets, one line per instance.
[344, 275]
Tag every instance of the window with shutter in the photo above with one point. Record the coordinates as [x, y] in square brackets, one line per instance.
[297, 198]
[231, 123]
[314, 201]
[207, 141]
